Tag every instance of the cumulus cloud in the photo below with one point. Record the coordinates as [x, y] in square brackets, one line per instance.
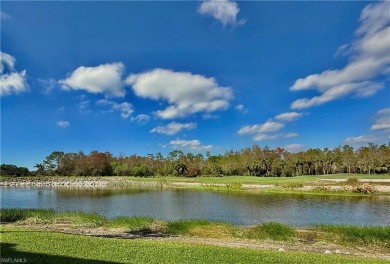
[194, 145]
[173, 128]
[141, 119]
[241, 108]
[11, 81]
[104, 79]
[261, 131]
[382, 120]
[294, 147]
[268, 126]
[63, 123]
[225, 11]
[185, 92]
[267, 136]
[125, 108]
[363, 139]
[369, 59]
[289, 116]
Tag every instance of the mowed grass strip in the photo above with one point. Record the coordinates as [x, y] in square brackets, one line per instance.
[51, 247]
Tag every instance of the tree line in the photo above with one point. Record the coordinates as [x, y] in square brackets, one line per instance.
[254, 161]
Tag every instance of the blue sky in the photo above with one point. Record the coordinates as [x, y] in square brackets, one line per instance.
[147, 77]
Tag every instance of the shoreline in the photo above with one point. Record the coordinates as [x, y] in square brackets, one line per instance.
[321, 186]
[345, 240]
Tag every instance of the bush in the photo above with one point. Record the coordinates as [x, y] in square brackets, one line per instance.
[291, 185]
[353, 181]
[365, 189]
[140, 171]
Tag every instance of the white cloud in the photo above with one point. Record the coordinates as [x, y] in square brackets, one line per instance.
[360, 140]
[294, 147]
[61, 109]
[241, 108]
[125, 108]
[290, 135]
[105, 79]
[63, 123]
[194, 145]
[141, 119]
[173, 128]
[209, 116]
[47, 84]
[266, 136]
[361, 89]
[11, 81]
[4, 16]
[261, 131]
[185, 92]
[268, 126]
[260, 137]
[383, 120]
[225, 11]
[369, 59]
[289, 116]
[84, 106]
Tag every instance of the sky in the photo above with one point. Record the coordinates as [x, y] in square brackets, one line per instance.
[146, 77]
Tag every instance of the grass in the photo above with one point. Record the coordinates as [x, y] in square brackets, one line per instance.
[132, 223]
[51, 247]
[200, 228]
[264, 180]
[376, 235]
[183, 227]
[13, 215]
[270, 230]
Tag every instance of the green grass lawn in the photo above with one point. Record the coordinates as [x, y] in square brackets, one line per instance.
[51, 247]
[261, 180]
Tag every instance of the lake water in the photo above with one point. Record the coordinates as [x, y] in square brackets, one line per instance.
[233, 207]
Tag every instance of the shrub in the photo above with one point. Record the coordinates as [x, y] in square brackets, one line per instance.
[352, 181]
[291, 185]
[365, 189]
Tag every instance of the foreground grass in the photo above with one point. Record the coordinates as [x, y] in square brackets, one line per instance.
[365, 236]
[51, 247]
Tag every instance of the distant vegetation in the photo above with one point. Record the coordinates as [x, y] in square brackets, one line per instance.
[12, 170]
[254, 161]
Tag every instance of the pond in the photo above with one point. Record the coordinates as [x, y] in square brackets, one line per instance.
[239, 208]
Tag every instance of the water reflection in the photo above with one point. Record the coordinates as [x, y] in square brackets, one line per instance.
[234, 207]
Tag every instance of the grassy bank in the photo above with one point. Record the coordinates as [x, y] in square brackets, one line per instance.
[345, 185]
[222, 180]
[263, 180]
[365, 236]
[51, 247]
